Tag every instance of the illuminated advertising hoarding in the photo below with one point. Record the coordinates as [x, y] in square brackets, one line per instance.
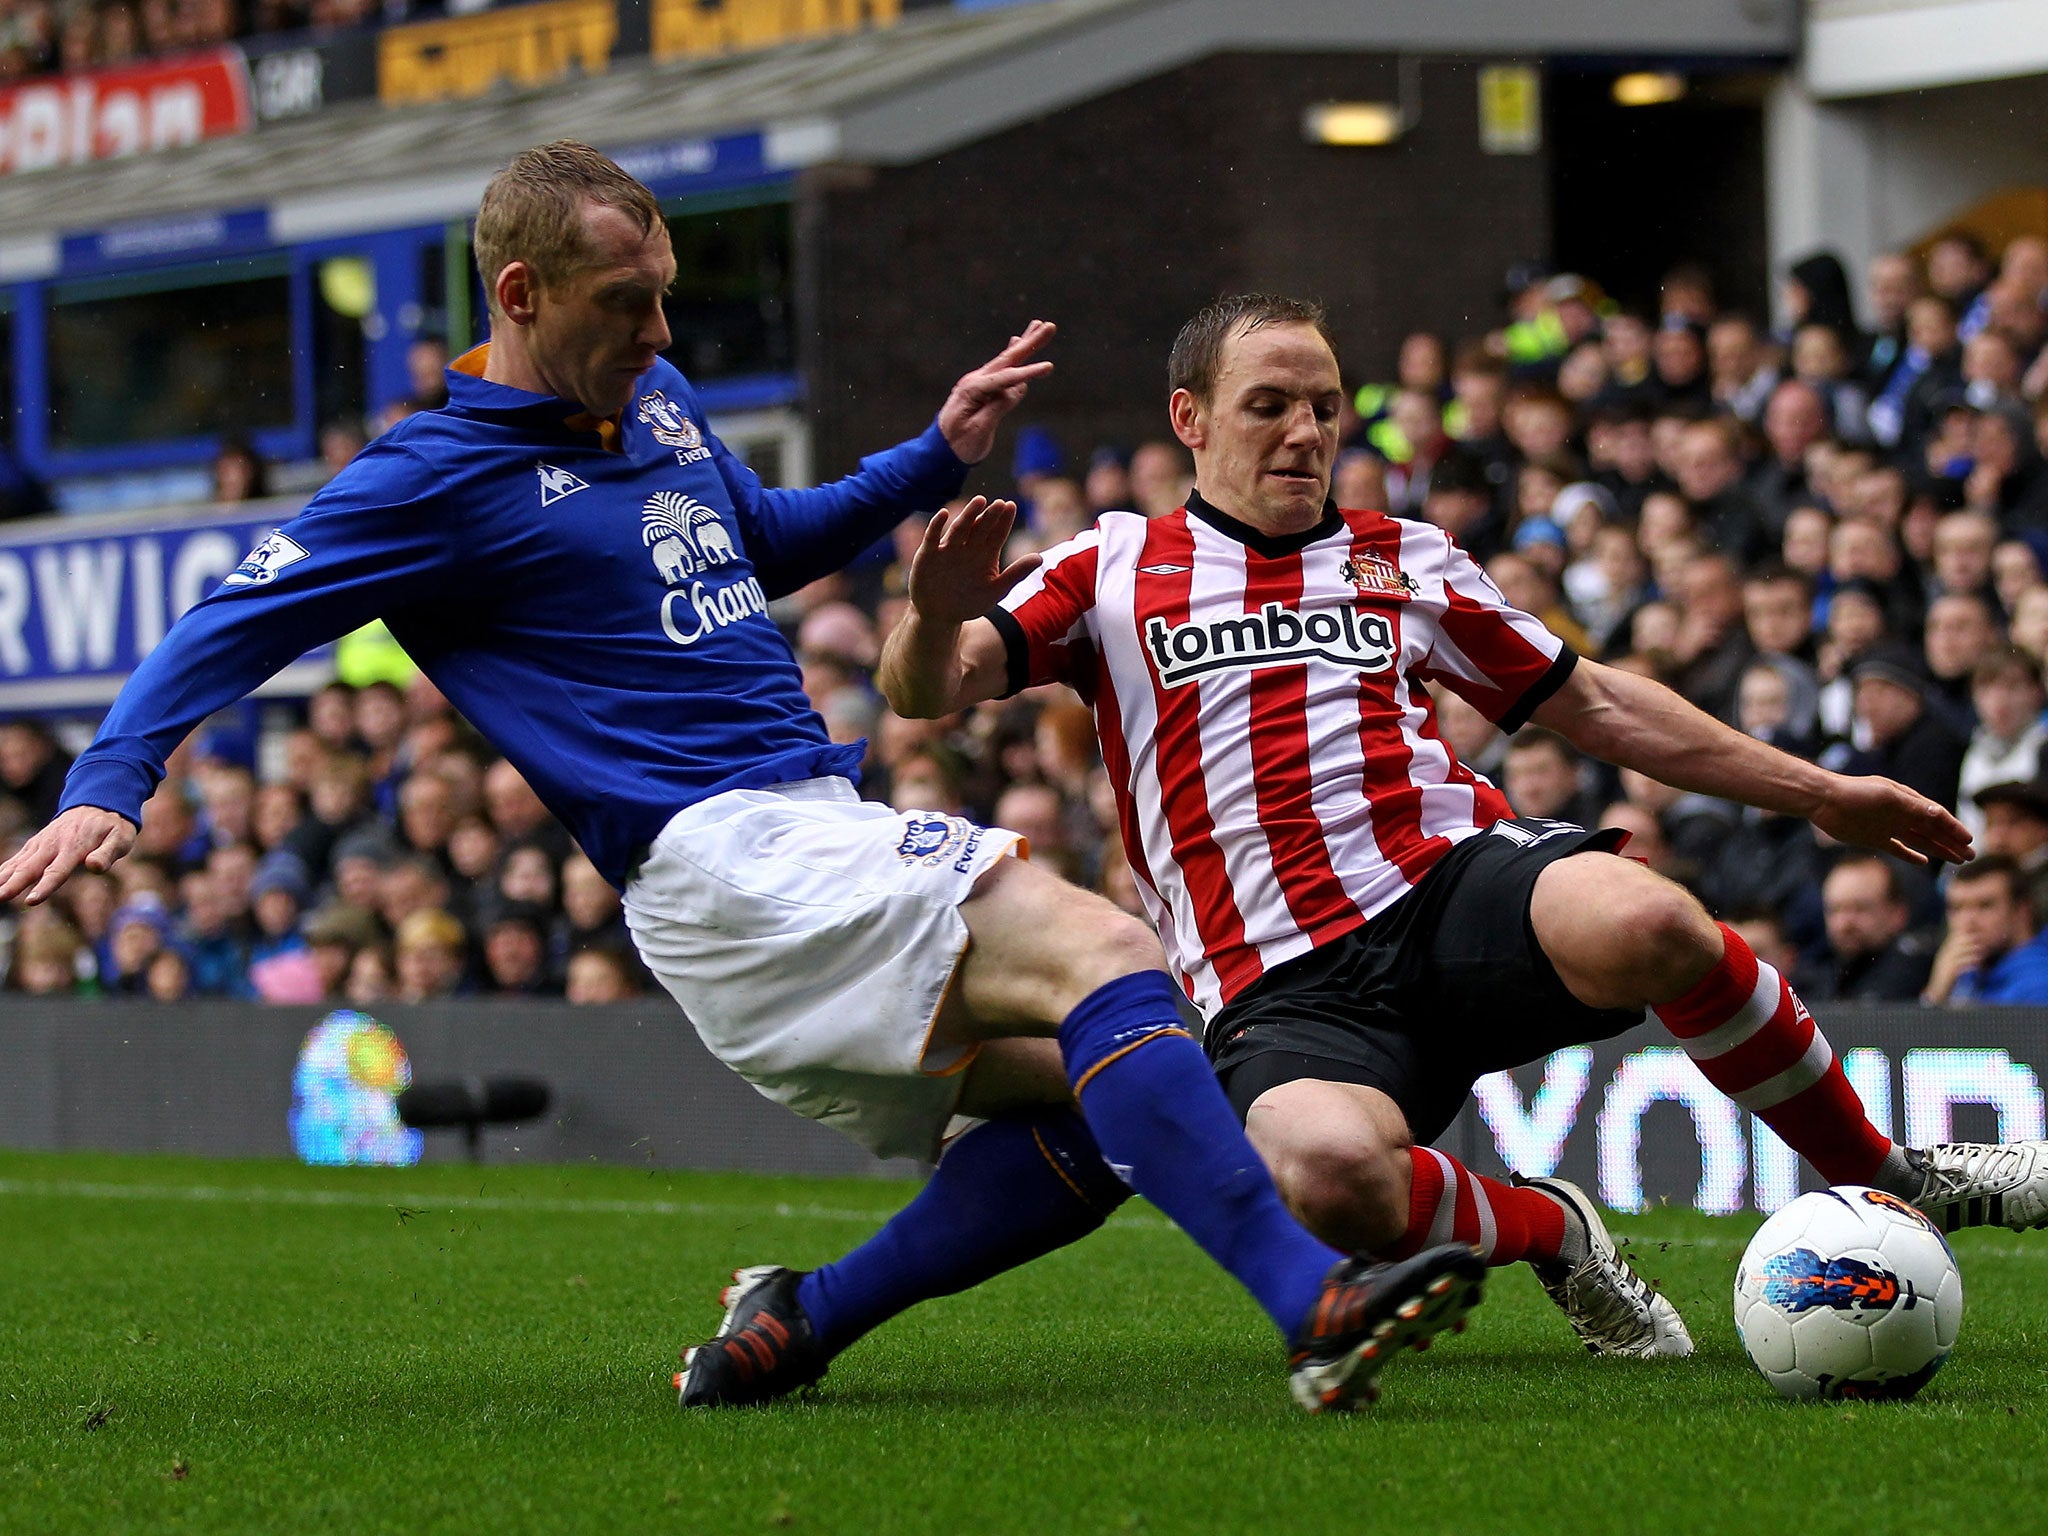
[1633, 1120]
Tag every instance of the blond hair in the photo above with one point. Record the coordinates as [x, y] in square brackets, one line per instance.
[532, 211]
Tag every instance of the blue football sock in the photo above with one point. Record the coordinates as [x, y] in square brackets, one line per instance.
[1004, 1193]
[1146, 1091]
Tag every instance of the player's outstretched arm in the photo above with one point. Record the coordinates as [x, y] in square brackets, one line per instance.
[85, 834]
[1636, 723]
[983, 397]
[943, 655]
[794, 536]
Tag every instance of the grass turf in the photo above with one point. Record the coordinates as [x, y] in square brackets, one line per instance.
[206, 1346]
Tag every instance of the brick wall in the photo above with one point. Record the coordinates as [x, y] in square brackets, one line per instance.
[1120, 216]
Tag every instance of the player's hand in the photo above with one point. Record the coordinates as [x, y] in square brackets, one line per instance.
[85, 834]
[958, 573]
[981, 399]
[1879, 814]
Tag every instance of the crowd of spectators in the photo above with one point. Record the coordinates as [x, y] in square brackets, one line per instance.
[1832, 535]
[40, 37]
[390, 856]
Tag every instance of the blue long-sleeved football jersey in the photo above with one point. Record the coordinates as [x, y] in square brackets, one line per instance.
[594, 601]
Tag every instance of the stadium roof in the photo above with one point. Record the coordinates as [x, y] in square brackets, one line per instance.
[937, 79]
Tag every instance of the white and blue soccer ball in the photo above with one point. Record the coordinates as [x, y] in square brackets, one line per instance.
[1848, 1292]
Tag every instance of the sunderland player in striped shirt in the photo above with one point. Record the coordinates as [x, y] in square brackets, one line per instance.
[1363, 921]
[585, 571]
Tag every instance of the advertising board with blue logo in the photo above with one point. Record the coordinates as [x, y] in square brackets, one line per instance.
[83, 600]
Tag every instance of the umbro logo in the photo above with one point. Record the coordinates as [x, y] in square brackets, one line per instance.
[1163, 570]
[557, 483]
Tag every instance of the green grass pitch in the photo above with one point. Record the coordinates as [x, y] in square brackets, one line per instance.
[206, 1346]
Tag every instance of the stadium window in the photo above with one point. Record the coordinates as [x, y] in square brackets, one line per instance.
[730, 309]
[171, 355]
[342, 297]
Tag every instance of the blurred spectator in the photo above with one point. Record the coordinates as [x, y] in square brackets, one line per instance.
[169, 977]
[1777, 612]
[1908, 741]
[239, 474]
[1742, 368]
[372, 977]
[1893, 282]
[601, 975]
[1993, 952]
[2016, 828]
[516, 812]
[47, 959]
[1816, 293]
[1162, 474]
[32, 768]
[1458, 498]
[1712, 648]
[1958, 268]
[430, 948]
[212, 939]
[1868, 956]
[516, 953]
[1961, 631]
[335, 935]
[1108, 486]
[2015, 570]
[1543, 776]
[136, 935]
[1762, 931]
[2005, 748]
[1709, 467]
[340, 442]
[1795, 419]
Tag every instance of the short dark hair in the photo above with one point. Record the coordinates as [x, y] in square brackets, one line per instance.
[1997, 866]
[2007, 661]
[1536, 738]
[1894, 892]
[1772, 572]
[1198, 349]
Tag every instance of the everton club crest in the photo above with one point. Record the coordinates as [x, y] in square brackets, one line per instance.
[1377, 576]
[671, 427]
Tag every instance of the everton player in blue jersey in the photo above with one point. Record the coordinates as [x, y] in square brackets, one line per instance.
[584, 570]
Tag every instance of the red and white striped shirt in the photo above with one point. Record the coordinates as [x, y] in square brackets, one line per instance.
[1278, 771]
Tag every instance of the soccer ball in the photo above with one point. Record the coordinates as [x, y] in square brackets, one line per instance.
[1848, 1292]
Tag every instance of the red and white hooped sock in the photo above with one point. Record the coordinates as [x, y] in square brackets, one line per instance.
[1754, 1040]
[1449, 1203]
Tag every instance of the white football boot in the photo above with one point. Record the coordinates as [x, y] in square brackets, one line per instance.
[1984, 1184]
[1613, 1309]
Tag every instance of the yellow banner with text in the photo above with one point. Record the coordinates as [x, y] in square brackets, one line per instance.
[693, 28]
[522, 45]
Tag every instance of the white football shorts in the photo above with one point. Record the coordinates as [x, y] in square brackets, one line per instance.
[811, 936]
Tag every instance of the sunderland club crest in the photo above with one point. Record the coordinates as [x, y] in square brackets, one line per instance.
[1377, 576]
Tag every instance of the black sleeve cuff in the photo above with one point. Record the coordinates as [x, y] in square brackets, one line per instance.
[1016, 649]
[1536, 693]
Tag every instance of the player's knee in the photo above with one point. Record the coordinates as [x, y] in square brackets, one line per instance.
[1676, 941]
[1106, 943]
[1352, 1193]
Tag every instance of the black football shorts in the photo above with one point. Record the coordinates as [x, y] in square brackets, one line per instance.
[1443, 987]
